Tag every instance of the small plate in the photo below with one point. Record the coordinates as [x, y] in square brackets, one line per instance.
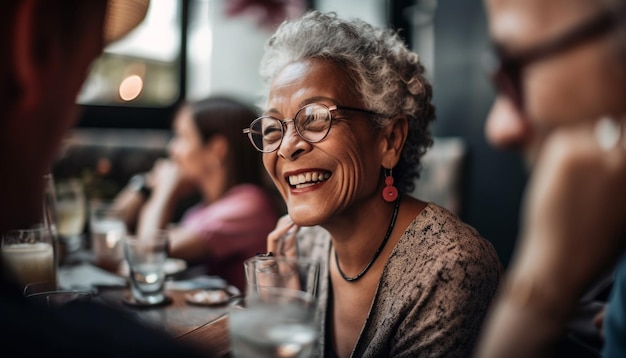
[172, 267]
[130, 301]
[214, 297]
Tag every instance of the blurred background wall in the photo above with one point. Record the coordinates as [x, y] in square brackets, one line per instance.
[493, 180]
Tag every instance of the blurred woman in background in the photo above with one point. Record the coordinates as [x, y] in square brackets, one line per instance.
[236, 212]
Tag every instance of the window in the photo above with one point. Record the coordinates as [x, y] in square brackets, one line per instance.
[139, 80]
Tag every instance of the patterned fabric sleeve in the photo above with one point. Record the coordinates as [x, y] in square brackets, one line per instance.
[450, 306]
[434, 293]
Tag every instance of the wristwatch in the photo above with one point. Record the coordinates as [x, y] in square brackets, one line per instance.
[139, 184]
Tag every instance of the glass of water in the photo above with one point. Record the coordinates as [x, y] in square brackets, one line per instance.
[71, 209]
[146, 257]
[107, 230]
[279, 316]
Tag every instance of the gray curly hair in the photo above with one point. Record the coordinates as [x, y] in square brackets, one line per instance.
[384, 72]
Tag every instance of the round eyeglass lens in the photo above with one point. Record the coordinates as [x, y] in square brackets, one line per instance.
[266, 133]
[313, 122]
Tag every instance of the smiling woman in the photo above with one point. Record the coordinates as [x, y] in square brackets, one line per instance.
[346, 124]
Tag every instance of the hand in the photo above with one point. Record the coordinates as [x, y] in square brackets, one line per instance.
[282, 240]
[166, 176]
[598, 320]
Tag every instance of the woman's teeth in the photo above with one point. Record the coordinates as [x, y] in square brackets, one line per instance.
[305, 179]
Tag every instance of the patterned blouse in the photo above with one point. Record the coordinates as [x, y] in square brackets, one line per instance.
[433, 294]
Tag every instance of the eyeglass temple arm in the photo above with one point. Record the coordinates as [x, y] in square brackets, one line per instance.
[346, 108]
[597, 26]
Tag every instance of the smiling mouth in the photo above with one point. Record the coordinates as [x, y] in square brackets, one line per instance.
[303, 180]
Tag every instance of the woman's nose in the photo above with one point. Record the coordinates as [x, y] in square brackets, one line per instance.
[292, 144]
[506, 126]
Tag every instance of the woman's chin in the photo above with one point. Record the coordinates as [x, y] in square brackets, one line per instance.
[305, 216]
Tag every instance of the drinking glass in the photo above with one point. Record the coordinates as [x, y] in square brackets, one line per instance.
[59, 298]
[107, 230]
[279, 317]
[146, 257]
[28, 256]
[50, 217]
[71, 213]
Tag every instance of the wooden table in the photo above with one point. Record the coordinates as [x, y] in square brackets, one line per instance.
[202, 326]
[199, 325]
[211, 338]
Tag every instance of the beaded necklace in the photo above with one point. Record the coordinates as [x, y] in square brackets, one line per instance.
[378, 251]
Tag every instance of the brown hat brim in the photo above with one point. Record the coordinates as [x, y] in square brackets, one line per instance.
[122, 16]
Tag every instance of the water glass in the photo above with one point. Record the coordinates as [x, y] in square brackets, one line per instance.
[146, 257]
[50, 218]
[107, 230]
[28, 256]
[71, 213]
[279, 317]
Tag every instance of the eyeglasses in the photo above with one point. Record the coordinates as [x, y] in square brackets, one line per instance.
[508, 70]
[312, 123]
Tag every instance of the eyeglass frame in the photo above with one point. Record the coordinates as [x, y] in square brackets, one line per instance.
[284, 122]
[507, 77]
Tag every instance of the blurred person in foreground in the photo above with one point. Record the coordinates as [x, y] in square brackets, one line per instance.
[561, 102]
[47, 48]
[237, 211]
[344, 127]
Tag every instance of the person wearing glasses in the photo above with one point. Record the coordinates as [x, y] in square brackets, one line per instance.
[346, 121]
[561, 88]
[237, 208]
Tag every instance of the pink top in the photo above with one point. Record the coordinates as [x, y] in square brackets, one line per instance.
[235, 227]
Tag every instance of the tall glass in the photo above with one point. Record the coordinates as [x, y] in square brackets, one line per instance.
[28, 257]
[107, 230]
[279, 317]
[146, 257]
[71, 211]
[50, 218]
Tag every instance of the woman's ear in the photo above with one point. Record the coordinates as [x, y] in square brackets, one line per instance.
[394, 137]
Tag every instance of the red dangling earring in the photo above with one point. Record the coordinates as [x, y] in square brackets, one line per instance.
[390, 192]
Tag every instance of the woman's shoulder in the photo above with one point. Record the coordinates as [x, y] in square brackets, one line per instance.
[242, 201]
[259, 192]
[248, 196]
[437, 220]
[438, 232]
[247, 190]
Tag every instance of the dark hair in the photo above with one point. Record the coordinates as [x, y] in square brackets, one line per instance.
[227, 116]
